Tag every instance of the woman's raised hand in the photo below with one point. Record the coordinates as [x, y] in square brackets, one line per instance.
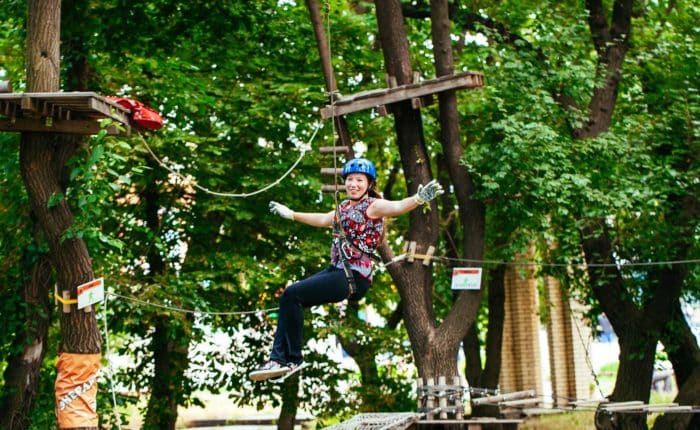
[281, 210]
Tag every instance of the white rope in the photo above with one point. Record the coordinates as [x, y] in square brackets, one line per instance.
[188, 311]
[546, 264]
[109, 364]
[589, 362]
[304, 149]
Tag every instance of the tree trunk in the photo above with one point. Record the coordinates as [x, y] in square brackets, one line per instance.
[637, 328]
[471, 212]
[364, 355]
[171, 338]
[170, 345]
[42, 163]
[683, 351]
[414, 281]
[611, 43]
[22, 373]
[290, 403]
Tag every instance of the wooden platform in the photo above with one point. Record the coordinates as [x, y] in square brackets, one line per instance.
[383, 97]
[69, 112]
[474, 423]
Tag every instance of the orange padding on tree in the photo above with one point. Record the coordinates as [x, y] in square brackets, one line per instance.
[76, 390]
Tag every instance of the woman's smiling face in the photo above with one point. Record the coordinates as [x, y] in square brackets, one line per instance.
[356, 185]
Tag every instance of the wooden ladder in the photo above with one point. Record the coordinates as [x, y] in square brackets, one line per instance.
[333, 171]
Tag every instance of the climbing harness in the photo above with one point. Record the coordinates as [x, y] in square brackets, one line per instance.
[342, 244]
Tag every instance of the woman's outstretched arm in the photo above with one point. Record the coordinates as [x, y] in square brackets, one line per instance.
[311, 218]
[391, 208]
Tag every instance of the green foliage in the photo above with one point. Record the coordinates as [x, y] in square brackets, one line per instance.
[239, 85]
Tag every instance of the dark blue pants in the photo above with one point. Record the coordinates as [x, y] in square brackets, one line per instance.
[326, 286]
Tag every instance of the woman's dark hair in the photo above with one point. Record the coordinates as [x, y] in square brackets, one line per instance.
[372, 190]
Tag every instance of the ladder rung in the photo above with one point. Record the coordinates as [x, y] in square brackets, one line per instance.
[328, 188]
[333, 149]
[332, 171]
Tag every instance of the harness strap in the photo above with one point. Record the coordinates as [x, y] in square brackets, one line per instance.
[340, 239]
[352, 287]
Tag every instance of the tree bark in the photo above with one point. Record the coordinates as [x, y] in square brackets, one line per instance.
[414, 281]
[42, 164]
[638, 328]
[170, 345]
[611, 43]
[472, 212]
[683, 351]
[22, 373]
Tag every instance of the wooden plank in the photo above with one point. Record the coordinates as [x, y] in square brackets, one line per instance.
[474, 421]
[333, 149]
[503, 397]
[373, 98]
[523, 402]
[82, 127]
[61, 112]
[108, 110]
[329, 188]
[331, 171]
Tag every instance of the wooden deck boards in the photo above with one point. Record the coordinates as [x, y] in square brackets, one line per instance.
[62, 112]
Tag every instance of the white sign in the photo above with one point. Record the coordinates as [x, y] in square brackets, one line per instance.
[91, 292]
[466, 278]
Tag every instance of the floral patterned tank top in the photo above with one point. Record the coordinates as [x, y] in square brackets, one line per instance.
[363, 232]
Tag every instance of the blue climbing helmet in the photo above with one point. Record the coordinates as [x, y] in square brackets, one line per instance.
[360, 165]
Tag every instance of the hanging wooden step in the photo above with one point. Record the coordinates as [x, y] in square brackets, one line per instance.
[331, 171]
[69, 112]
[329, 188]
[334, 150]
[381, 98]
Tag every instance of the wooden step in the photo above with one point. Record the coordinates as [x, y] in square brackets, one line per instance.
[334, 149]
[328, 188]
[332, 171]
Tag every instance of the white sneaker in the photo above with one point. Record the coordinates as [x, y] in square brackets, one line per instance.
[271, 369]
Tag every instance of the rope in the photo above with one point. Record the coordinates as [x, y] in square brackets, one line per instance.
[304, 149]
[585, 349]
[188, 311]
[109, 365]
[541, 263]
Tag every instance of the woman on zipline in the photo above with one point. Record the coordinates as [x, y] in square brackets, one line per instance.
[358, 228]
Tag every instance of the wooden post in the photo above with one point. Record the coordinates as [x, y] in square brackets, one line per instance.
[324, 52]
[428, 256]
[430, 402]
[412, 255]
[66, 296]
[442, 397]
[458, 398]
[5, 87]
[420, 396]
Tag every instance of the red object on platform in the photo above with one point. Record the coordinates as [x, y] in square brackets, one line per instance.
[142, 115]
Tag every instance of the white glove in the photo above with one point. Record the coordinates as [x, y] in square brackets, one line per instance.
[281, 210]
[428, 192]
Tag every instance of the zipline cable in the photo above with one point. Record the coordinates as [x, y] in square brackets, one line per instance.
[304, 149]
[187, 311]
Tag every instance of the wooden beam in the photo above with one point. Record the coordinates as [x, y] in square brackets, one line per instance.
[383, 96]
[39, 125]
[108, 110]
